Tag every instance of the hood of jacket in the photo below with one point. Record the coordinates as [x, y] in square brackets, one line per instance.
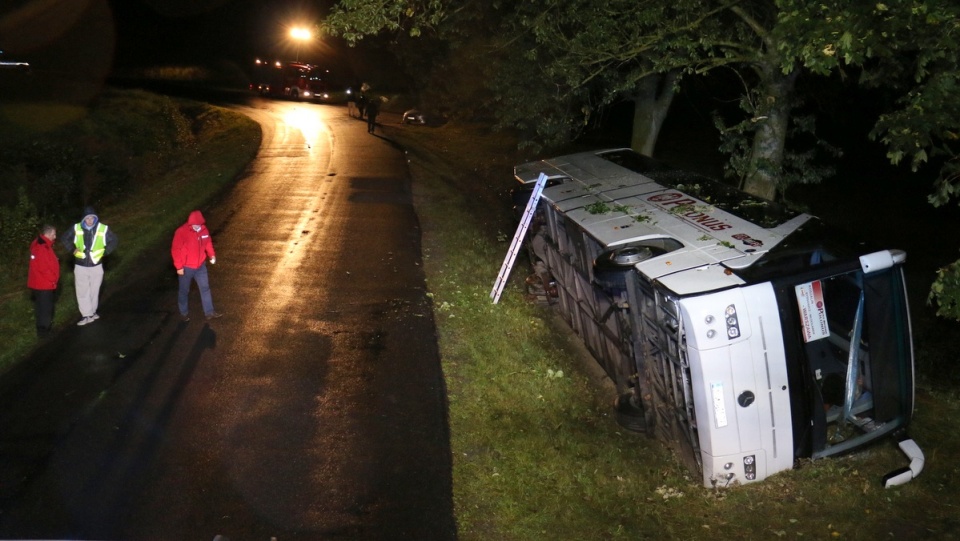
[88, 211]
[196, 218]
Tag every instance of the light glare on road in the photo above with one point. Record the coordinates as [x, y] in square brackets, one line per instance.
[308, 122]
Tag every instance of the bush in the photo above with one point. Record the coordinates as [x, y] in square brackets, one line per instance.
[102, 154]
[945, 292]
[18, 225]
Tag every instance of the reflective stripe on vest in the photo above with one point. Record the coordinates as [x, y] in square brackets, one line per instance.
[99, 243]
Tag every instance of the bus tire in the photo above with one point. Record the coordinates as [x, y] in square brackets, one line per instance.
[630, 414]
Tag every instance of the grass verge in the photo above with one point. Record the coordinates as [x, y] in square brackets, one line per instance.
[536, 452]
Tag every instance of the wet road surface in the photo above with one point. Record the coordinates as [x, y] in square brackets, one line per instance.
[314, 409]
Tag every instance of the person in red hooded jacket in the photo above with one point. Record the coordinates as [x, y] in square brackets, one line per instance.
[191, 247]
[42, 277]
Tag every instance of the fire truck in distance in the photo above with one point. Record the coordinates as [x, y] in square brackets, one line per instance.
[294, 80]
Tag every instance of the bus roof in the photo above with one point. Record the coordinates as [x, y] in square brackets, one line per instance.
[620, 198]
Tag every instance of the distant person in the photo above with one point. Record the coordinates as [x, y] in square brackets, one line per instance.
[191, 247]
[43, 277]
[89, 240]
[373, 109]
[361, 105]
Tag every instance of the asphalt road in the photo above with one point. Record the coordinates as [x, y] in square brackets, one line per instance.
[314, 409]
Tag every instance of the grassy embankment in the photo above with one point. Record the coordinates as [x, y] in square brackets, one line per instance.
[163, 185]
[537, 454]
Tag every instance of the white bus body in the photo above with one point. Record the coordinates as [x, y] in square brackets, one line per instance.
[725, 322]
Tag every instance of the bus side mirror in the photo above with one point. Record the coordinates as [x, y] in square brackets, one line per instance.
[903, 475]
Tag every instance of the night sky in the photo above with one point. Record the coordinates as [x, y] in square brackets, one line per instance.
[171, 31]
[79, 44]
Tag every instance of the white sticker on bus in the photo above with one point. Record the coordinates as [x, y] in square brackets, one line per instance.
[813, 312]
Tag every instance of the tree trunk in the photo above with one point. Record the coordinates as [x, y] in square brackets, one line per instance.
[652, 98]
[773, 119]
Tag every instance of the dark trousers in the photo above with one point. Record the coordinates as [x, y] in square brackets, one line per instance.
[203, 284]
[43, 308]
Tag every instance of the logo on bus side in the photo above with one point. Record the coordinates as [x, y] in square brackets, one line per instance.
[702, 219]
[748, 240]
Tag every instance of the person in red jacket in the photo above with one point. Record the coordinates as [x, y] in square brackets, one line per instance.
[42, 278]
[191, 247]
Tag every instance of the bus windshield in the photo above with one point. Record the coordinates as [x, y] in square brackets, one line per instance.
[851, 361]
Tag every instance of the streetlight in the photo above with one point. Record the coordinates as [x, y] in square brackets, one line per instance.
[301, 35]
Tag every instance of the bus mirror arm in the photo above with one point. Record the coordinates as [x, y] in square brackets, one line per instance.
[904, 475]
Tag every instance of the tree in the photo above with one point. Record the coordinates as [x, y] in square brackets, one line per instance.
[594, 52]
[444, 45]
[543, 61]
[562, 61]
[910, 46]
[354, 20]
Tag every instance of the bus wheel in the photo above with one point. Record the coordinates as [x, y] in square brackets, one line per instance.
[630, 413]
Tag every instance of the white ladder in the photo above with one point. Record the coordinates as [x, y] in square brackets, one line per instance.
[518, 238]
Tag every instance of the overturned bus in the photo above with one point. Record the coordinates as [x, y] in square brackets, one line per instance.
[741, 334]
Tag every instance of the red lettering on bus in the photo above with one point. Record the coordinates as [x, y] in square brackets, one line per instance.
[664, 197]
[678, 202]
[678, 199]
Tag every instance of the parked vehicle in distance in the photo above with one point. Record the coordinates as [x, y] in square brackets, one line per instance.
[740, 333]
[421, 118]
[414, 116]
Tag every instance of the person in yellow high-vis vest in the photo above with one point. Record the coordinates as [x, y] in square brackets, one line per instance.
[89, 240]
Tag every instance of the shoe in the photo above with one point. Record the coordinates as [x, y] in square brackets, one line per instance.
[94, 316]
[85, 321]
[184, 318]
[214, 315]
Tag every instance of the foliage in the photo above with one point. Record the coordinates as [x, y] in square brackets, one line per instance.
[945, 291]
[906, 46]
[74, 164]
[799, 166]
[597, 207]
[560, 69]
[355, 19]
[922, 129]
[18, 224]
